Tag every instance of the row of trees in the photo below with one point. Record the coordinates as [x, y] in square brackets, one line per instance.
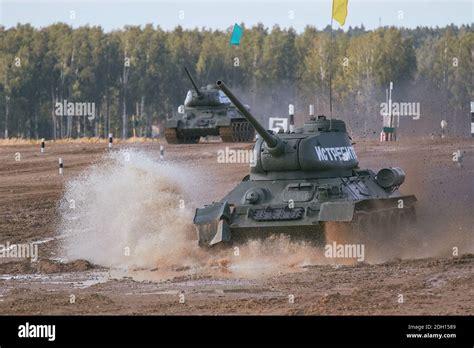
[135, 76]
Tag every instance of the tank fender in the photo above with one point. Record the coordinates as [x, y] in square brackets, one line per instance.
[172, 123]
[212, 223]
[336, 211]
[223, 122]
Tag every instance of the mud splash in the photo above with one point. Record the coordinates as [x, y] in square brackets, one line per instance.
[254, 259]
[134, 214]
[128, 211]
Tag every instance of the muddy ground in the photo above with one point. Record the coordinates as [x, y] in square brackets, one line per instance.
[427, 275]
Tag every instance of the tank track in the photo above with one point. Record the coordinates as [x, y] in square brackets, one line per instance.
[378, 227]
[384, 233]
[173, 137]
[238, 131]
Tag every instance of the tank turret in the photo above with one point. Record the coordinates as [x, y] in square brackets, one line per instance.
[196, 88]
[208, 96]
[320, 148]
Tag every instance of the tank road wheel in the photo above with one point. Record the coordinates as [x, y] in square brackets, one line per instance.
[171, 136]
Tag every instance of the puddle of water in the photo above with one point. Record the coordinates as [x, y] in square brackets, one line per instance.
[102, 278]
[202, 275]
[77, 280]
[165, 292]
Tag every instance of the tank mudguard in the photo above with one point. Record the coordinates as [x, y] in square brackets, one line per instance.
[223, 122]
[336, 211]
[171, 123]
[212, 223]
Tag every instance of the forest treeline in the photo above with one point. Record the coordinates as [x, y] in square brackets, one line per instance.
[134, 77]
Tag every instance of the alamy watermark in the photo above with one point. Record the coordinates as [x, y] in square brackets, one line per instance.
[409, 109]
[37, 331]
[229, 155]
[19, 251]
[66, 108]
[345, 251]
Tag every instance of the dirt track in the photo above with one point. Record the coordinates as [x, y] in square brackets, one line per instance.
[430, 279]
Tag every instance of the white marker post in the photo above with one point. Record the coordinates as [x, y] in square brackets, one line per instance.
[388, 132]
[444, 125]
[472, 119]
[291, 112]
[162, 152]
[311, 111]
[42, 145]
[61, 166]
[110, 140]
[392, 136]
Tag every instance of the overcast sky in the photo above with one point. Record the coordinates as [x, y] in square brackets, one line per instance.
[221, 14]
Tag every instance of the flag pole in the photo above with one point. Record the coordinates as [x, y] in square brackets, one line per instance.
[330, 68]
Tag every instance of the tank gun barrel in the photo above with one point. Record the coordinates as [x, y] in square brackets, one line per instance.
[193, 82]
[271, 140]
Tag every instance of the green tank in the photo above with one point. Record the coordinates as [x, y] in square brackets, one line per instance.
[207, 112]
[301, 183]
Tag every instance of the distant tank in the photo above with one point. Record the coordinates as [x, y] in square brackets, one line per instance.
[207, 112]
[300, 182]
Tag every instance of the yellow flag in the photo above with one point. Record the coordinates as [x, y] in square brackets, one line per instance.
[339, 11]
